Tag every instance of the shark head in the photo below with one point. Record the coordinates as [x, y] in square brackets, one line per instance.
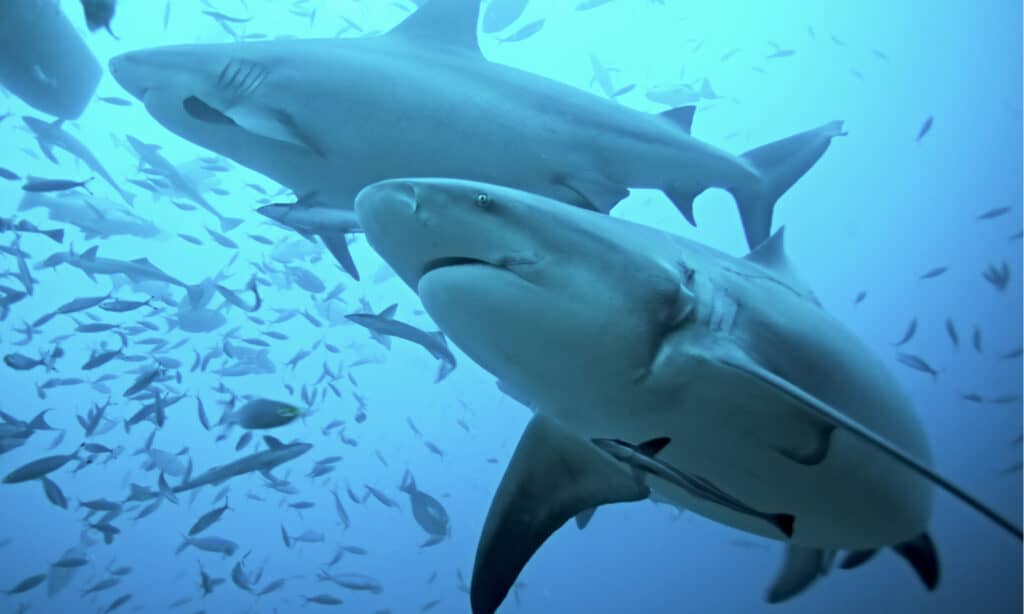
[229, 98]
[540, 279]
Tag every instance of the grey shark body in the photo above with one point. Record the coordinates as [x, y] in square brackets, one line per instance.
[332, 116]
[43, 61]
[95, 217]
[614, 330]
[150, 156]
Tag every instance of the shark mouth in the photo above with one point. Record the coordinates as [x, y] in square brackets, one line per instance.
[509, 263]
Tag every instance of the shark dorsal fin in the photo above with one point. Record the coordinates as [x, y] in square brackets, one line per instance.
[681, 116]
[444, 23]
[771, 255]
[273, 442]
[654, 446]
[90, 254]
[389, 311]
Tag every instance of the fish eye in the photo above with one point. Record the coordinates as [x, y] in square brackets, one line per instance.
[483, 200]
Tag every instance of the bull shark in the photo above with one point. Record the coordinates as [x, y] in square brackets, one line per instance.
[331, 116]
[95, 217]
[51, 135]
[137, 270]
[150, 156]
[43, 60]
[616, 331]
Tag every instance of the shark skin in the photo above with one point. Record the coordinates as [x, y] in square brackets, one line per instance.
[43, 60]
[331, 116]
[614, 330]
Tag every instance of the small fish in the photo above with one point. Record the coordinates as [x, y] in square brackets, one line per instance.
[9, 175]
[993, 213]
[917, 363]
[857, 300]
[933, 273]
[1014, 353]
[524, 32]
[117, 101]
[40, 184]
[951, 331]
[976, 338]
[925, 127]
[909, 334]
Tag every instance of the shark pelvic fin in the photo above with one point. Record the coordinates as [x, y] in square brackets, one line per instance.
[833, 416]
[552, 477]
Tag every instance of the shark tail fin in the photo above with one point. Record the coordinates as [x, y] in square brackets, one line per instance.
[228, 224]
[778, 165]
[39, 422]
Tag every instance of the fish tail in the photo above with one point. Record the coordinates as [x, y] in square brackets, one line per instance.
[779, 165]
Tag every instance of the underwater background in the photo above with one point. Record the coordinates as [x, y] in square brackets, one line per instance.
[884, 207]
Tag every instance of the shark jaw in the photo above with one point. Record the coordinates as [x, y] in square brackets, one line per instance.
[467, 246]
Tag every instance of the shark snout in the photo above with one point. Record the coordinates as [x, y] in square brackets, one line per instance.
[129, 70]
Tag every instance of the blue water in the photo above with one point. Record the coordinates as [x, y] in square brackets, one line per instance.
[880, 209]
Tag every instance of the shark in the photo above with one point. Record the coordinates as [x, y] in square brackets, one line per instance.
[43, 60]
[51, 135]
[331, 116]
[150, 156]
[615, 333]
[95, 217]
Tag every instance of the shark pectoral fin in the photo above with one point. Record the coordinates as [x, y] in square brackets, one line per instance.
[274, 124]
[200, 110]
[801, 567]
[595, 193]
[856, 558]
[444, 23]
[920, 553]
[338, 246]
[552, 477]
[833, 416]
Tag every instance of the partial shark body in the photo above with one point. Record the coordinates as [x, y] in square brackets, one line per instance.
[611, 330]
[310, 218]
[95, 217]
[150, 156]
[43, 61]
[52, 136]
[138, 270]
[332, 116]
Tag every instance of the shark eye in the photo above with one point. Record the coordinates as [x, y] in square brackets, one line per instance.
[483, 200]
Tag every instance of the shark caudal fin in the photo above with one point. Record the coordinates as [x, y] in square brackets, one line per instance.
[779, 165]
